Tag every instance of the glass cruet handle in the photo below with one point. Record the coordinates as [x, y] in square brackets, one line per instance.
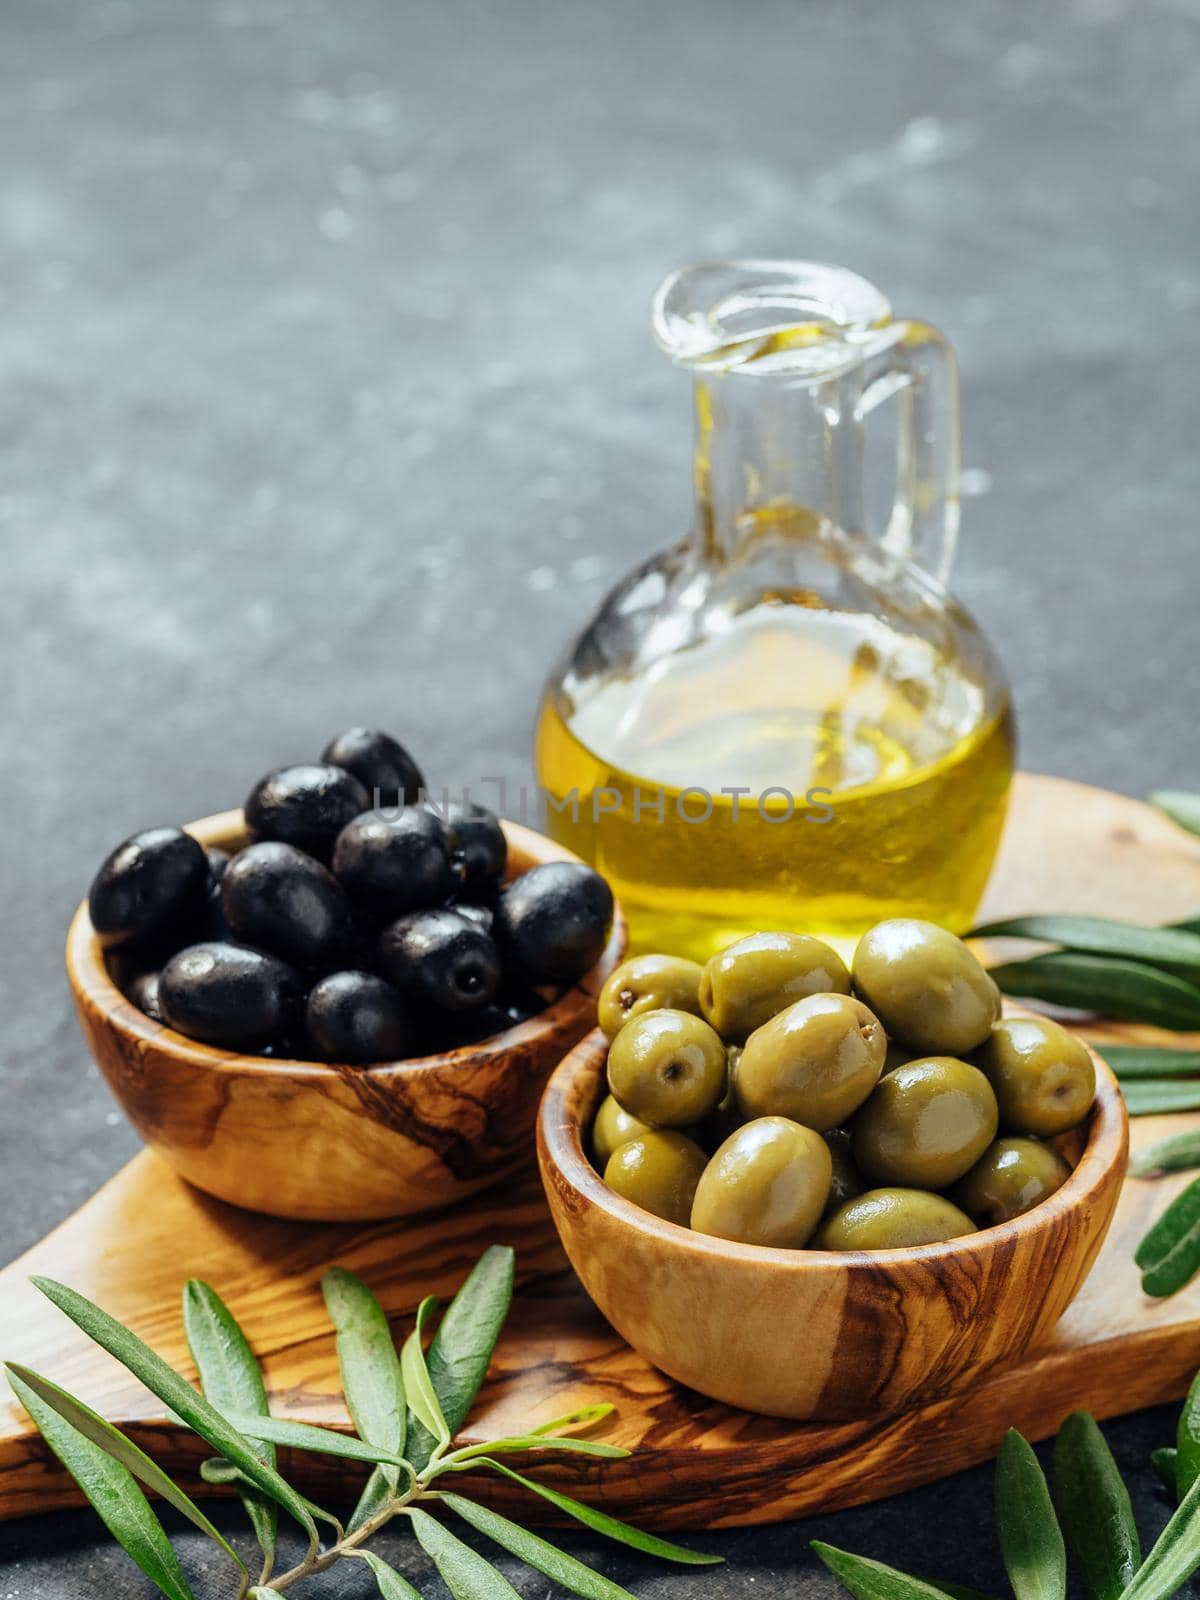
[913, 362]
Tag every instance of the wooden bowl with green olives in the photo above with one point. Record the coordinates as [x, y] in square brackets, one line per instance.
[321, 1140]
[822, 1334]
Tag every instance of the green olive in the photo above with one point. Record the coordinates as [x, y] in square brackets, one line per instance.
[648, 983]
[667, 1068]
[1043, 1076]
[748, 983]
[891, 1219]
[766, 1185]
[612, 1128]
[1011, 1176]
[925, 986]
[846, 1181]
[926, 1124]
[816, 1062]
[658, 1171]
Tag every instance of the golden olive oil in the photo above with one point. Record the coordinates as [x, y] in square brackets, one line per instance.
[801, 769]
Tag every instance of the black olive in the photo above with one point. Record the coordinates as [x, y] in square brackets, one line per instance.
[552, 923]
[226, 994]
[218, 860]
[142, 991]
[305, 806]
[276, 897]
[356, 1017]
[396, 861]
[479, 839]
[152, 880]
[440, 958]
[384, 767]
[445, 1030]
[481, 916]
[521, 1006]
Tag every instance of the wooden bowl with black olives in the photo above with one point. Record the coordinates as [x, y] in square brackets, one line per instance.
[826, 1193]
[343, 1001]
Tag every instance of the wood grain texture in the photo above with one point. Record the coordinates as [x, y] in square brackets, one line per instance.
[697, 1464]
[331, 1143]
[812, 1334]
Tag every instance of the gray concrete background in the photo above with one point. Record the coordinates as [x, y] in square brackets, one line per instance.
[326, 395]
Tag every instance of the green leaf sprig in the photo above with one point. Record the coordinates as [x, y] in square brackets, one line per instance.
[406, 1408]
[1089, 1516]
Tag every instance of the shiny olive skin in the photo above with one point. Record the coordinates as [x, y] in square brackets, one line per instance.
[279, 899]
[648, 983]
[925, 1124]
[142, 991]
[151, 883]
[305, 806]
[658, 1171]
[846, 1180]
[1011, 1177]
[816, 1062]
[752, 980]
[384, 767]
[766, 1185]
[394, 862]
[612, 1128]
[892, 1219]
[355, 1017]
[925, 986]
[228, 995]
[1044, 1078]
[667, 1068]
[479, 844]
[552, 922]
[440, 958]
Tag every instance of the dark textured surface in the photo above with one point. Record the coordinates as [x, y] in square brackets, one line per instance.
[326, 395]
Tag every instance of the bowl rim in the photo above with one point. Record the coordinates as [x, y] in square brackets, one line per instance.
[560, 1146]
[94, 987]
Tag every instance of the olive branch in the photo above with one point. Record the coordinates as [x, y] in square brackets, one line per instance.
[406, 1408]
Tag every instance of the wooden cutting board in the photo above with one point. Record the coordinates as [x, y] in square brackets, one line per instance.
[1067, 848]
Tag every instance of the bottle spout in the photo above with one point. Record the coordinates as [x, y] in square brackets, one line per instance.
[799, 319]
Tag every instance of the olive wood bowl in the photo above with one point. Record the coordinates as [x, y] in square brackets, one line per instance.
[814, 1334]
[331, 1143]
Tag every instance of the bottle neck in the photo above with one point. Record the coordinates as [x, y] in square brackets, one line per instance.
[770, 452]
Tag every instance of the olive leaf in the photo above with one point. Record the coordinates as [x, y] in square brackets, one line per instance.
[1094, 1508]
[466, 1574]
[97, 1431]
[584, 1417]
[372, 1500]
[1174, 949]
[1164, 1462]
[873, 1580]
[536, 1552]
[179, 1395]
[1182, 807]
[458, 1356]
[1169, 1255]
[534, 1441]
[322, 1441]
[367, 1362]
[230, 1377]
[1153, 1097]
[1031, 1541]
[1175, 1556]
[417, 1383]
[1176, 1153]
[1187, 1441]
[1150, 1061]
[600, 1521]
[112, 1490]
[1104, 985]
[390, 1583]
